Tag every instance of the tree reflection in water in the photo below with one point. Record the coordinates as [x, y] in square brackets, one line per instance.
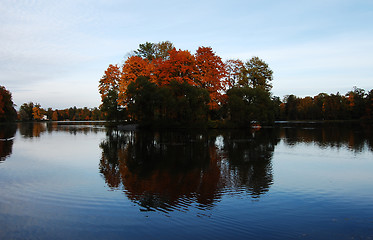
[250, 159]
[169, 171]
[354, 136]
[7, 133]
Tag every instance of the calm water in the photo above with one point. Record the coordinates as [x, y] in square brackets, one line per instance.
[88, 181]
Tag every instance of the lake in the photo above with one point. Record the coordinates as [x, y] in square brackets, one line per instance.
[63, 180]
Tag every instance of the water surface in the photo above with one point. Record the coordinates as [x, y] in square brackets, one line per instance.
[88, 181]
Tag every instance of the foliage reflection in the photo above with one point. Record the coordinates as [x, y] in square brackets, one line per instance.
[169, 171]
[7, 133]
[35, 130]
[353, 136]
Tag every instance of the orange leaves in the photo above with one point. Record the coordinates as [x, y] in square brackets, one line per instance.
[204, 69]
[211, 74]
[179, 67]
[133, 68]
[110, 80]
[55, 116]
[37, 113]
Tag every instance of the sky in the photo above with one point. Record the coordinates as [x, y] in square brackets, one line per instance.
[55, 52]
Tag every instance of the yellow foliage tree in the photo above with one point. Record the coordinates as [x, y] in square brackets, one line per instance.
[37, 112]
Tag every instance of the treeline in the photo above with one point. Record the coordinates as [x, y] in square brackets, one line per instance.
[357, 104]
[34, 112]
[158, 84]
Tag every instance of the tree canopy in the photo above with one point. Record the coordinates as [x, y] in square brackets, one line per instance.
[7, 111]
[157, 70]
[159, 83]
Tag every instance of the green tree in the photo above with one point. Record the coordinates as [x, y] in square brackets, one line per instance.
[162, 49]
[291, 111]
[146, 50]
[256, 73]
[175, 104]
[246, 104]
[151, 51]
[25, 112]
[142, 97]
[184, 104]
[7, 111]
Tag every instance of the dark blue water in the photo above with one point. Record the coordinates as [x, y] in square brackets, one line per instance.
[88, 181]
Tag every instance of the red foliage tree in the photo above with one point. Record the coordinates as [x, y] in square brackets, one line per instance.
[180, 67]
[211, 74]
[133, 67]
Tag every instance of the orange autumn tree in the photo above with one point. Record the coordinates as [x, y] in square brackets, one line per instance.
[133, 68]
[37, 112]
[178, 78]
[110, 81]
[109, 90]
[55, 116]
[211, 75]
[180, 67]
[204, 69]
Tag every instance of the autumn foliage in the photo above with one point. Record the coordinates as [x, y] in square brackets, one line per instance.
[161, 83]
[34, 112]
[204, 69]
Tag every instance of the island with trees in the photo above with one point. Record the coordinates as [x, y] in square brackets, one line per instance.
[160, 86]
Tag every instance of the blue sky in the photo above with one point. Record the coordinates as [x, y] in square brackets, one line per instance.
[55, 52]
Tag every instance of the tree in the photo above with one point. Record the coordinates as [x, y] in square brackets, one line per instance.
[369, 105]
[291, 111]
[248, 104]
[256, 73]
[55, 116]
[146, 51]
[7, 111]
[25, 112]
[133, 67]
[162, 49]
[234, 69]
[141, 98]
[357, 104]
[211, 75]
[167, 78]
[182, 104]
[109, 90]
[37, 112]
[151, 51]
[179, 67]
[96, 114]
[49, 113]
